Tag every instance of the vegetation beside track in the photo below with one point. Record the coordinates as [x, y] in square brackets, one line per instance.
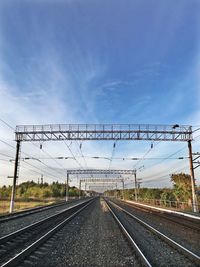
[31, 194]
[179, 196]
[21, 204]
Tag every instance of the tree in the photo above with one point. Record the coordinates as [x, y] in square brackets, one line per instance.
[167, 195]
[182, 186]
[150, 193]
[5, 191]
[30, 189]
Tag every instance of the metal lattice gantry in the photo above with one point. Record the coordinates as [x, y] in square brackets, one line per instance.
[60, 132]
[99, 172]
[107, 187]
[56, 132]
[105, 183]
[101, 188]
[101, 180]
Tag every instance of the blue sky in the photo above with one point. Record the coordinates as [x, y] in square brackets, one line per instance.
[98, 61]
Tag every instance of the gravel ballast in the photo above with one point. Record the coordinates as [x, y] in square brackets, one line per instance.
[18, 223]
[156, 250]
[185, 236]
[90, 239]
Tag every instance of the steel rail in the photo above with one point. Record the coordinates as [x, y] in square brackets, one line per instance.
[10, 236]
[192, 256]
[25, 252]
[26, 212]
[130, 239]
[189, 223]
[23, 213]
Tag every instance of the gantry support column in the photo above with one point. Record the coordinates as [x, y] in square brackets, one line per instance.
[67, 188]
[136, 197]
[123, 189]
[12, 200]
[85, 190]
[80, 189]
[194, 197]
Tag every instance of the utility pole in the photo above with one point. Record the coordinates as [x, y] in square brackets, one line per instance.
[12, 201]
[136, 197]
[194, 198]
[67, 188]
[79, 188]
[116, 190]
[123, 188]
[138, 187]
[85, 189]
[42, 180]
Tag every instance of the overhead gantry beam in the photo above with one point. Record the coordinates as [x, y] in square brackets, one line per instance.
[56, 132]
[100, 181]
[60, 132]
[100, 187]
[100, 171]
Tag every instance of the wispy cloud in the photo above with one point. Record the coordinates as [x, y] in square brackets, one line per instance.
[72, 68]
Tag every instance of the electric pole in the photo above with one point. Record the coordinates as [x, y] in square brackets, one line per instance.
[42, 179]
[136, 197]
[67, 188]
[194, 198]
[123, 188]
[80, 189]
[12, 201]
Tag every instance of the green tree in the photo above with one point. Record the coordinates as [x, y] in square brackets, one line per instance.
[167, 195]
[150, 193]
[5, 191]
[182, 186]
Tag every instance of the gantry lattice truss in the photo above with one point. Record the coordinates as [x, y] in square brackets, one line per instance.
[100, 180]
[56, 132]
[100, 171]
[101, 187]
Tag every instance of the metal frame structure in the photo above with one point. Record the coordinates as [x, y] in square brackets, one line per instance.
[56, 132]
[196, 159]
[100, 171]
[101, 187]
[100, 180]
[60, 132]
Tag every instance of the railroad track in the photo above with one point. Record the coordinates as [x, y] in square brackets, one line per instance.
[23, 213]
[184, 221]
[152, 247]
[16, 246]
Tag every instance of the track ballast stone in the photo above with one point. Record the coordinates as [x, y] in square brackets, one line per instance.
[91, 239]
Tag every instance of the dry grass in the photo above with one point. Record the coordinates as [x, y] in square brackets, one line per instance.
[21, 205]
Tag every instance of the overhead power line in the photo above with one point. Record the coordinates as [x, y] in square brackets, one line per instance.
[112, 155]
[8, 125]
[80, 148]
[73, 154]
[148, 151]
